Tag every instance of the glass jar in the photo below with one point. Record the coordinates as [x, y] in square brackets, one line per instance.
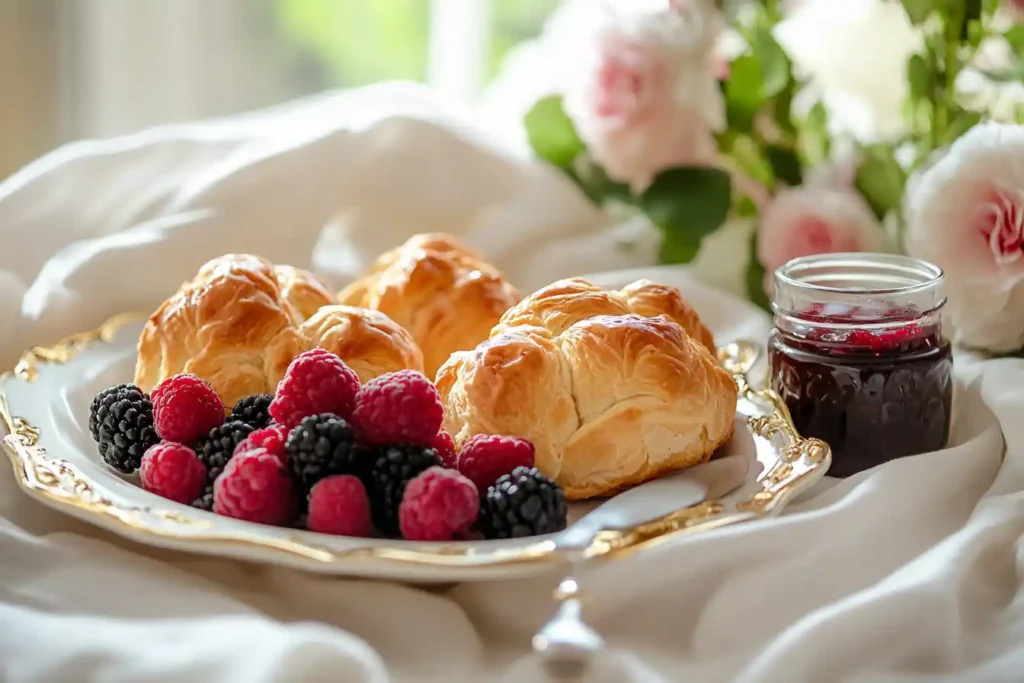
[859, 357]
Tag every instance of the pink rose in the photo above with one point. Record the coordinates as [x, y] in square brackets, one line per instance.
[815, 219]
[965, 213]
[645, 97]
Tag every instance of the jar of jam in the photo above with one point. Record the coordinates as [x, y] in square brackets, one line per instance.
[859, 357]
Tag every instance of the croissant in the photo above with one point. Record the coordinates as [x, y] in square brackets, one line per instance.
[241, 321]
[609, 398]
[231, 326]
[302, 290]
[565, 302]
[441, 291]
[368, 341]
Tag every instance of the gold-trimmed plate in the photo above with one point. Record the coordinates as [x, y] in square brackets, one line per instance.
[44, 412]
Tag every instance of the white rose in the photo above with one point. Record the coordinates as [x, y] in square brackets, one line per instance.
[856, 52]
[965, 213]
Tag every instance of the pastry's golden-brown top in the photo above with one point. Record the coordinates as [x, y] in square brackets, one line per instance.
[231, 326]
[439, 290]
[609, 397]
[566, 302]
[302, 290]
[368, 341]
[651, 299]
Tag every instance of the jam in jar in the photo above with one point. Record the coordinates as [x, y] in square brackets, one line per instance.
[859, 357]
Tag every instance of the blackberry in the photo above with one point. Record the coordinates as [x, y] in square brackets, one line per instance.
[215, 449]
[320, 446]
[205, 500]
[522, 503]
[121, 422]
[389, 469]
[253, 410]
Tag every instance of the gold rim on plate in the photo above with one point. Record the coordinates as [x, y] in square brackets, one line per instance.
[56, 481]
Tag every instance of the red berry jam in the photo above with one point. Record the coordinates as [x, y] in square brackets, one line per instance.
[868, 371]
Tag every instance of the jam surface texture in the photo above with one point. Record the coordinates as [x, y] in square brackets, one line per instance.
[872, 392]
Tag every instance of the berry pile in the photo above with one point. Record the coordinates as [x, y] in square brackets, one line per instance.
[329, 454]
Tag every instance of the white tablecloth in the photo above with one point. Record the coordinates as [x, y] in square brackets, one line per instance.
[909, 572]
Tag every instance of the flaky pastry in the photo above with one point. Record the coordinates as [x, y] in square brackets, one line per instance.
[442, 292]
[610, 398]
[566, 302]
[239, 324]
[368, 341]
[231, 326]
[302, 290]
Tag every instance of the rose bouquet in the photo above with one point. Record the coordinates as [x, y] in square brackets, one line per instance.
[863, 125]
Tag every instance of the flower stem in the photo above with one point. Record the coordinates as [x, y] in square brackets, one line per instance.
[951, 69]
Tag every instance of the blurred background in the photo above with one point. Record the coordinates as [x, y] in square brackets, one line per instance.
[72, 69]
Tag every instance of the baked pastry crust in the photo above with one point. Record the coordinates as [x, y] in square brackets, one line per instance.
[368, 341]
[609, 399]
[303, 291]
[231, 326]
[242, 320]
[438, 289]
[563, 303]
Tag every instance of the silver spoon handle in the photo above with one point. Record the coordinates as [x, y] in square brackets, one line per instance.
[566, 644]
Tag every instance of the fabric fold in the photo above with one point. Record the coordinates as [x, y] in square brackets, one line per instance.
[908, 572]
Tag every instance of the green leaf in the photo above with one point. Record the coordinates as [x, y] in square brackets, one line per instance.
[962, 121]
[880, 179]
[782, 107]
[1015, 37]
[677, 249]
[596, 184]
[971, 20]
[918, 10]
[975, 34]
[785, 164]
[746, 208]
[744, 92]
[687, 204]
[776, 70]
[747, 153]
[972, 12]
[755, 277]
[815, 143]
[552, 134]
[920, 77]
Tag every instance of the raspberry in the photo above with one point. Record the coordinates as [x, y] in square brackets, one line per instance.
[398, 407]
[438, 505]
[339, 505]
[445, 448]
[215, 449]
[185, 408]
[173, 471]
[485, 457]
[271, 438]
[388, 469]
[255, 487]
[316, 382]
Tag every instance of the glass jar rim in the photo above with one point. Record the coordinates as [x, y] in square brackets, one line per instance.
[928, 275]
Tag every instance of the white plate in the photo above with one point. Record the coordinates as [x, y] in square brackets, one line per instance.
[44, 408]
